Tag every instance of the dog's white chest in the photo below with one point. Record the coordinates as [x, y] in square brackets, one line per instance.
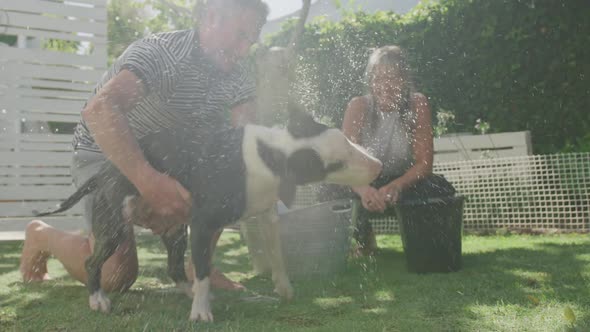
[261, 196]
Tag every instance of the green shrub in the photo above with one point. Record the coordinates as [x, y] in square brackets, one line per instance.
[519, 65]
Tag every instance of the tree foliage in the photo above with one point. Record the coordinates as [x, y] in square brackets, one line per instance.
[518, 65]
[129, 20]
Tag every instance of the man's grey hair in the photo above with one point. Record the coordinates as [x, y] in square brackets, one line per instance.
[258, 6]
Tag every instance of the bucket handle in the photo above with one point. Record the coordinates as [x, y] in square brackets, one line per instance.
[341, 207]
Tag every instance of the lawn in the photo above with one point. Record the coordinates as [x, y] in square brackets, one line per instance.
[509, 283]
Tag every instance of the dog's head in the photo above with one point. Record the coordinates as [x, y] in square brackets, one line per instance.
[319, 153]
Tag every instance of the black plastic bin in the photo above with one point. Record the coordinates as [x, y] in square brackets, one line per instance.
[431, 231]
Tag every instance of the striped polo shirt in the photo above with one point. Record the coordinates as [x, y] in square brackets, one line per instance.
[183, 88]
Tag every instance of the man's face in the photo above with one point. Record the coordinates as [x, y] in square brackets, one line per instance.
[229, 35]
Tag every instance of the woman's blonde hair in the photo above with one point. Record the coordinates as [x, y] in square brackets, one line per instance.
[391, 56]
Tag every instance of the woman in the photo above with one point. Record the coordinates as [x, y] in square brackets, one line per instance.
[393, 122]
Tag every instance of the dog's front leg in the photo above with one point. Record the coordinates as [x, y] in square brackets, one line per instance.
[271, 232]
[201, 255]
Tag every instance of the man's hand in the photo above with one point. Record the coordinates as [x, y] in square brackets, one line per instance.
[168, 200]
[371, 199]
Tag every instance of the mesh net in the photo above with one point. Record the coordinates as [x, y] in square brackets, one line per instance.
[528, 192]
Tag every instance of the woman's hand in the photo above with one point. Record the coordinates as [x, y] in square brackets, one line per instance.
[390, 192]
[371, 199]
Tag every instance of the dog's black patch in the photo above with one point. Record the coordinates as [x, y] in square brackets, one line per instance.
[273, 158]
[301, 167]
[307, 166]
[333, 167]
[303, 125]
[276, 161]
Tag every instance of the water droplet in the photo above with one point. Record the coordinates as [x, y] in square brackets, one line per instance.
[3, 111]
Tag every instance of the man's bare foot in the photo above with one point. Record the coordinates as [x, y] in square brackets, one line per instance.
[33, 261]
[220, 281]
[217, 279]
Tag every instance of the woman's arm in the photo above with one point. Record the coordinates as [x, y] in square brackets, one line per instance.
[354, 118]
[422, 149]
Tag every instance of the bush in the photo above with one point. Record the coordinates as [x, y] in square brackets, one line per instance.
[518, 65]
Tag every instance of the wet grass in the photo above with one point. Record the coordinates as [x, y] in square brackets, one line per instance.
[509, 283]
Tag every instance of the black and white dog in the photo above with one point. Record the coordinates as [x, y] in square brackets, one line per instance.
[237, 173]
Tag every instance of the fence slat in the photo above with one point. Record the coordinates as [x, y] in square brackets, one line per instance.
[52, 106]
[36, 158]
[62, 170]
[71, 118]
[98, 41]
[48, 94]
[49, 72]
[25, 209]
[48, 192]
[13, 54]
[96, 3]
[45, 84]
[473, 147]
[35, 180]
[55, 8]
[58, 24]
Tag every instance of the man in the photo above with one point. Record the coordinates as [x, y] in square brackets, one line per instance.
[190, 78]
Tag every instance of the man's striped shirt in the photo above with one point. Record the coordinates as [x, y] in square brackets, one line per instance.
[183, 88]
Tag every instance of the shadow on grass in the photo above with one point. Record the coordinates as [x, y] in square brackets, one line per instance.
[230, 256]
[380, 291]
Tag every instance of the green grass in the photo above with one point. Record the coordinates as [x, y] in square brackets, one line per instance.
[509, 283]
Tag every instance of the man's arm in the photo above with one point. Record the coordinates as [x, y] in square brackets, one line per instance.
[105, 117]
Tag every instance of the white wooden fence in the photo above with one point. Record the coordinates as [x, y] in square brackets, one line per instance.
[474, 147]
[38, 86]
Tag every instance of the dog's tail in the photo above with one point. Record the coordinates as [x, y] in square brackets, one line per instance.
[88, 187]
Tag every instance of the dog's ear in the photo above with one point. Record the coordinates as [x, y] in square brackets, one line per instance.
[301, 124]
[276, 161]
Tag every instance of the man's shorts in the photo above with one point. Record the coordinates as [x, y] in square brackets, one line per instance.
[85, 164]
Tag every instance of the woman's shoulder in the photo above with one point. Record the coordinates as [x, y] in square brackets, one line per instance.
[356, 112]
[418, 97]
[419, 103]
[360, 101]
[358, 104]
